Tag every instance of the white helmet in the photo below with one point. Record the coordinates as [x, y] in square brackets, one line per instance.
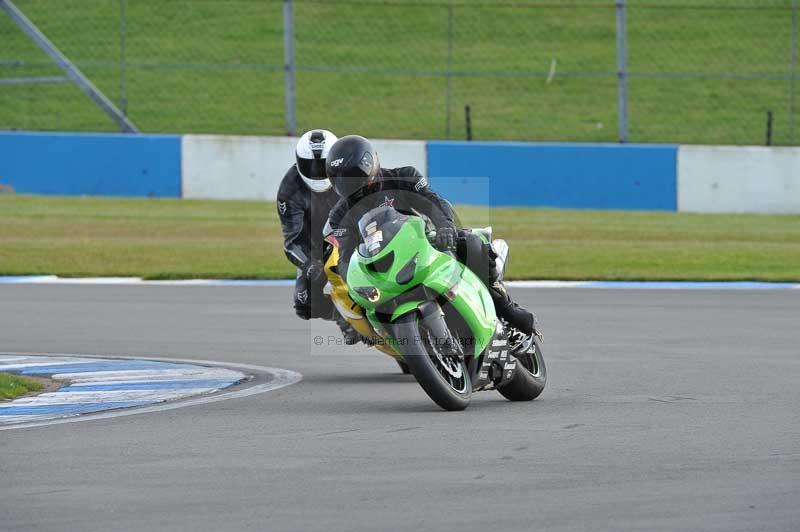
[311, 153]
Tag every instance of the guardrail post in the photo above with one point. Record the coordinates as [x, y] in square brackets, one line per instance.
[123, 86]
[448, 72]
[289, 66]
[793, 73]
[622, 71]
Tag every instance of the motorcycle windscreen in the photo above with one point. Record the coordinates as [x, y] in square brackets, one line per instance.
[377, 228]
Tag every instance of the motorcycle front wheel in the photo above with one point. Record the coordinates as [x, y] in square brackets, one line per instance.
[443, 376]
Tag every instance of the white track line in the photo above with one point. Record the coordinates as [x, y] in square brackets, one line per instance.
[57, 361]
[71, 398]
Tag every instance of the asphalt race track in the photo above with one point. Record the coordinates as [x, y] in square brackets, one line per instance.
[665, 410]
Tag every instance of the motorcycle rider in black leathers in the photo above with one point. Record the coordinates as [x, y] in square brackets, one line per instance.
[354, 170]
[305, 198]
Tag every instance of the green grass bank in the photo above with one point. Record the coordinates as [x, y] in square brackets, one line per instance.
[171, 239]
[13, 386]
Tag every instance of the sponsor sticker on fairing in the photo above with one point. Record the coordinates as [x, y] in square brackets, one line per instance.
[374, 240]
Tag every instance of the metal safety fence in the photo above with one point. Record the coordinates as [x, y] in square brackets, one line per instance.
[705, 71]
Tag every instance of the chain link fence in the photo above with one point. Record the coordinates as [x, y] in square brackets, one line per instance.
[701, 71]
[714, 72]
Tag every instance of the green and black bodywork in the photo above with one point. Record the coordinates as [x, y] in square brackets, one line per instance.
[437, 313]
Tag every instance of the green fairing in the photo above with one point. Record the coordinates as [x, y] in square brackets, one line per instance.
[472, 301]
[436, 270]
[409, 241]
[405, 308]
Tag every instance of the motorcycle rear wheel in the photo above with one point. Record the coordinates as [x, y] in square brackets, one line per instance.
[530, 376]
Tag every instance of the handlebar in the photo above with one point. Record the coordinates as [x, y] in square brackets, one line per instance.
[431, 234]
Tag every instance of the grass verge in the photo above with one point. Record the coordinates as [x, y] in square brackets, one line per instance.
[13, 386]
[172, 239]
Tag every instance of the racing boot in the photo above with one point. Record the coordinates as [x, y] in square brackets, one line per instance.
[506, 308]
[351, 336]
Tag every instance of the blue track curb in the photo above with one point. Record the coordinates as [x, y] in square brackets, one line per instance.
[95, 384]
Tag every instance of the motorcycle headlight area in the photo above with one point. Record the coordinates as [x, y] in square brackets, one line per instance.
[370, 293]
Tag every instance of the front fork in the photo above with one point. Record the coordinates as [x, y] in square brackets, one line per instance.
[494, 367]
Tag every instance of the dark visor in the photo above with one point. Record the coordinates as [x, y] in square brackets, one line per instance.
[312, 168]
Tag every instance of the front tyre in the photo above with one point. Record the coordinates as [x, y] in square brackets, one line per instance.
[403, 367]
[530, 376]
[443, 376]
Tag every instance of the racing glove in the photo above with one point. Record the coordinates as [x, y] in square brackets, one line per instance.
[446, 239]
[315, 271]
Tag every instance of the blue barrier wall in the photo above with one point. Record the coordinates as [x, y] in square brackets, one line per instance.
[91, 164]
[595, 176]
[592, 176]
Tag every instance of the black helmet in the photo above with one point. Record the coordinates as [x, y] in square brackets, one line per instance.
[351, 164]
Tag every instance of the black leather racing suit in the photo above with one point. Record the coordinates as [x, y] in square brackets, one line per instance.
[408, 192]
[303, 214]
[402, 188]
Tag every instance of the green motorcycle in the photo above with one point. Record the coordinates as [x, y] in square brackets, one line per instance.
[438, 314]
